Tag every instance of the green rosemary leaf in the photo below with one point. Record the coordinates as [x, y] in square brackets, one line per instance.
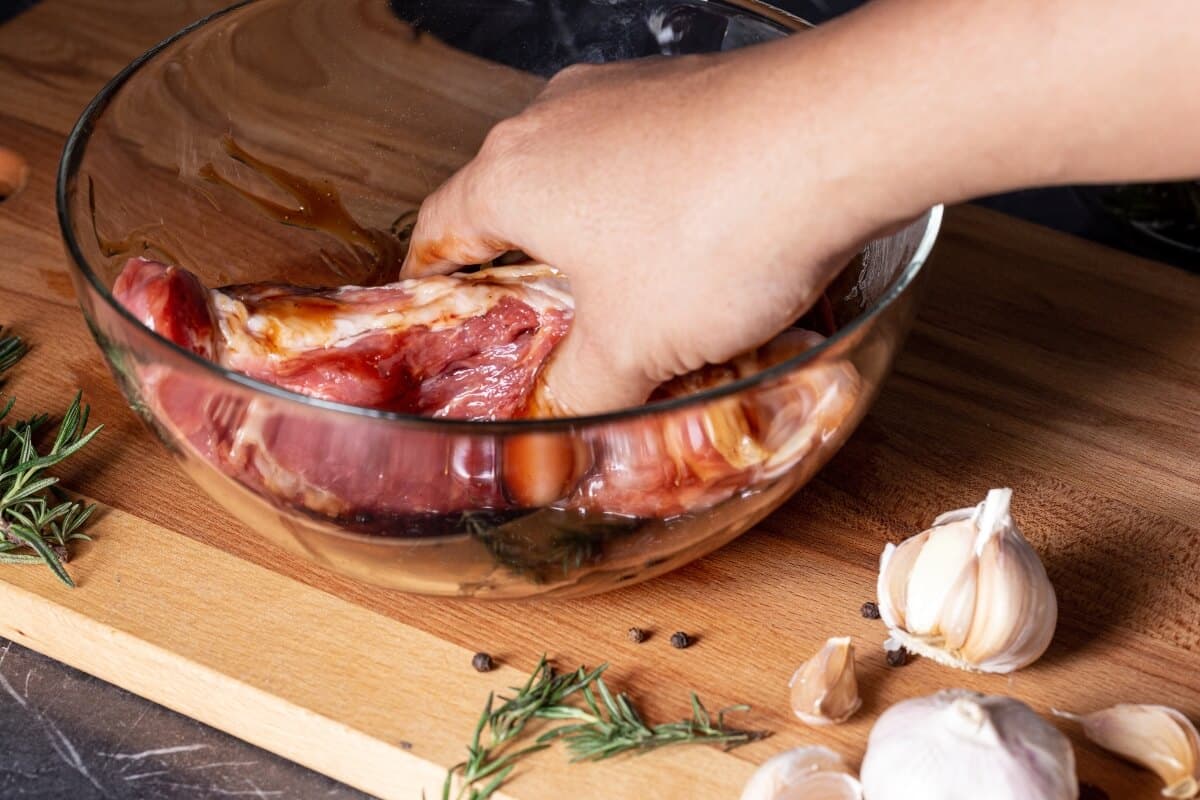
[483, 721]
[505, 761]
[740, 708]
[31, 529]
[448, 785]
[20, 490]
[492, 785]
[9, 558]
[50, 513]
[12, 349]
[76, 517]
[606, 725]
[628, 711]
[29, 463]
[23, 445]
[699, 712]
[562, 713]
[21, 518]
[589, 697]
[35, 542]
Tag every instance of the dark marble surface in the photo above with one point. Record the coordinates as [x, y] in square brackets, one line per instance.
[69, 735]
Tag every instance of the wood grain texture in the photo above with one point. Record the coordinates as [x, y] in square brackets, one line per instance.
[1062, 369]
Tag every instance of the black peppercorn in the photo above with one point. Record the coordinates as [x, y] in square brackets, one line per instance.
[637, 635]
[897, 657]
[680, 640]
[482, 662]
[870, 610]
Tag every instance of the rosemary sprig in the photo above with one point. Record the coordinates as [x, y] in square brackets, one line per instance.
[614, 726]
[544, 690]
[11, 350]
[36, 525]
[606, 725]
[546, 545]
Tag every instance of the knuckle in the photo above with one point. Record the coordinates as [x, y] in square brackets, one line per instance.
[506, 137]
[478, 196]
[571, 74]
[671, 360]
[494, 177]
[428, 217]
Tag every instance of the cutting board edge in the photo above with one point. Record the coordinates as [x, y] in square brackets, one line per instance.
[247, 712]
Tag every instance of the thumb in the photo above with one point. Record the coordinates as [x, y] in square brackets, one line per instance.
[450, 230]
[583, 377]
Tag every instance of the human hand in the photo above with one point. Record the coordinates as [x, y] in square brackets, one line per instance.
[699, 204]
[690, 232]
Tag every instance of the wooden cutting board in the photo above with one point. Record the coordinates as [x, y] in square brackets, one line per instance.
[1041, 362]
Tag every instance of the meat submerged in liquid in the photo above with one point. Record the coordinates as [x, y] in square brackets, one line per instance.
[461, 346]
[466, 346]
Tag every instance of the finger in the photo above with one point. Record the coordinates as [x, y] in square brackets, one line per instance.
[583, 378]
[451, 230]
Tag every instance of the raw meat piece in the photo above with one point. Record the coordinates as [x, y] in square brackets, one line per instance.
[462, 346]
[694, 458]
[466, 346]
[170, 301]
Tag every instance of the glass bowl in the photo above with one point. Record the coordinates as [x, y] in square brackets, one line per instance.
[282, 140]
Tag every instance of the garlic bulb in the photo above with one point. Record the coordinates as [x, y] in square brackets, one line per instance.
[806, 773]
[825, 688]
[970, 592]
[958, 743]
[1156, 737]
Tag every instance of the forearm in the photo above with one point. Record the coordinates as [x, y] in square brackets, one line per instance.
[944, 100]
[700, 204]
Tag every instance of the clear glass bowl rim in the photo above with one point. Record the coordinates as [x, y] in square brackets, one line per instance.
[72, 157]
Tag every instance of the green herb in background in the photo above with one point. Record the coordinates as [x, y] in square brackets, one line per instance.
[35, 525]
[11, 350]
[605, 725]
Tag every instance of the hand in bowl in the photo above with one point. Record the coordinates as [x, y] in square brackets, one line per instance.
[700, 204]
[686, 231]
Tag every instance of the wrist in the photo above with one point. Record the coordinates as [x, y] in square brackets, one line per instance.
[947, 100]
[857, 129]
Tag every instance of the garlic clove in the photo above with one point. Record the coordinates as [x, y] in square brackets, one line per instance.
[895, 567]
[805, 773]
[969, 592]
[943, 566]
[1158, 738]
[1016, 610]
[958, 608]
[825, 688]
[958, 743]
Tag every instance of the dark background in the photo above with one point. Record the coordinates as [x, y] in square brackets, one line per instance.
[1064, 208]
